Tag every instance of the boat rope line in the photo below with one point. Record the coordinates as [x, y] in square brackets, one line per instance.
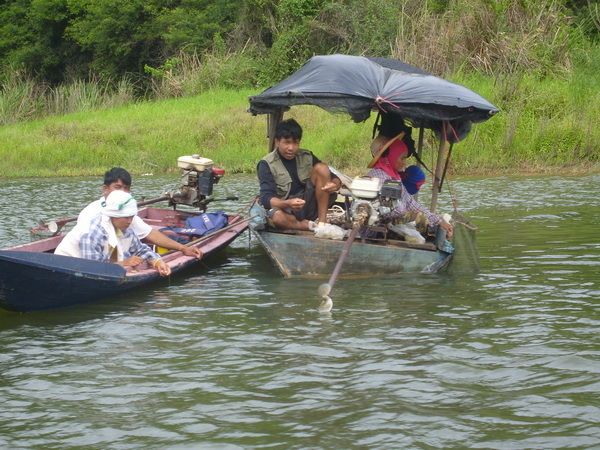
[244, 208]
[455, 201]
[379, 100]
[453, 130]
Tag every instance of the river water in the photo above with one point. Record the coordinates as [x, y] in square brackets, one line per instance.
[232, 356]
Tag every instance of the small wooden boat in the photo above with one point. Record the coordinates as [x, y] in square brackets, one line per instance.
[33, 278]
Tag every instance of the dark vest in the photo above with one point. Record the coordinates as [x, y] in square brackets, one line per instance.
[283, 180]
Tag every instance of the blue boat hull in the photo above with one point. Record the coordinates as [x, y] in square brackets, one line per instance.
[40, 280]
[36, 281]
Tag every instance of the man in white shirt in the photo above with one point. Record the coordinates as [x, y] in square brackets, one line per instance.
[118, 179]
[108, 237]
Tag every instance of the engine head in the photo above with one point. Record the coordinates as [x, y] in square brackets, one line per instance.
[198, 176]
[371, 199]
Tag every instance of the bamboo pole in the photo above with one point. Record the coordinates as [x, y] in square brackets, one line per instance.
[419, 154]
[273, 120]
[438, 169]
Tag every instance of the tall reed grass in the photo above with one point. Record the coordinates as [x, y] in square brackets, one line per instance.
[22, 98]
[489, 37]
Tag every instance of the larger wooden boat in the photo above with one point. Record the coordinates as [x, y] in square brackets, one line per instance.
[301, 254]
[402, 95]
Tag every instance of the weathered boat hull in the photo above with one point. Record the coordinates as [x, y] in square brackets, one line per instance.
[32, 278]
[303, 255]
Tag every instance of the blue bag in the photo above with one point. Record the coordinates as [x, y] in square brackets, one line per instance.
[203, 224]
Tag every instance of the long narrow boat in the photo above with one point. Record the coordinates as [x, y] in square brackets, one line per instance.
[401, 95]
[33, 278]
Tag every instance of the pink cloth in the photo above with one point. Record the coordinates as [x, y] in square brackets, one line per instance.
[388, 163]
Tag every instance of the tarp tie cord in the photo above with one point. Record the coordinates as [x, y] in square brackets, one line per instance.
[379, 100]
[453, 132]
[245, 208]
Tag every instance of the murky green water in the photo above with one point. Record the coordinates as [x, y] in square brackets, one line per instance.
[232, 356]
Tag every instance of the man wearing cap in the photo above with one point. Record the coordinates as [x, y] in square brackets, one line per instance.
[389, 161]
[295, 186]
[109, 238]
[118, 179]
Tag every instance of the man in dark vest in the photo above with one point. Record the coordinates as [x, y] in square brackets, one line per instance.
[295, 186]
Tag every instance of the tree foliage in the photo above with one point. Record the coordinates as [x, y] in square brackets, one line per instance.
[63, 40]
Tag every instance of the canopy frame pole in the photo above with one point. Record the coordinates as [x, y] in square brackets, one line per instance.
[437, 185]
[446, 165]
[419, 154]
[273, 120]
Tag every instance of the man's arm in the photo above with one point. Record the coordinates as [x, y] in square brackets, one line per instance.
[157, 238]
[268, 187]
[141, 250]
[149, 234]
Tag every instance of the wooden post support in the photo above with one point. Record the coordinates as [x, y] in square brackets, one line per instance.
[438, 169]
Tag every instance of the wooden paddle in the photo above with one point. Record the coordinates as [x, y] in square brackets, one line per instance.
[325, 289]
[208, 236]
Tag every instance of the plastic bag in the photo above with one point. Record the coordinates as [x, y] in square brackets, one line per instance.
[259, 217]
[409, 231]
[329, 231]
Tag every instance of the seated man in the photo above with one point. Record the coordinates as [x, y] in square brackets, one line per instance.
[118, 179]
[295, 186]
[109, 238]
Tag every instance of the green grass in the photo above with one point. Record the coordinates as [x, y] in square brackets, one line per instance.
[543, 126]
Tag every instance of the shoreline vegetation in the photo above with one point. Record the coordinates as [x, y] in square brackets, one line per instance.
[148, 137]
[537, 61]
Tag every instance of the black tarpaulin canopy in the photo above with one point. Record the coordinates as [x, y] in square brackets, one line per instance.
[358, 85]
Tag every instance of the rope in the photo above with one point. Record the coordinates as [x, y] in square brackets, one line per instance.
[455, 201]
[379, 100]
[248, 206]
[454, 132]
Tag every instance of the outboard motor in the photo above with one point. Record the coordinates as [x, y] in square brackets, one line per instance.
[365, 204]
[371, 200]
[198, 176]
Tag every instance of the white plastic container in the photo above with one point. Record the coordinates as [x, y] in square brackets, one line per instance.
[365, 187]
[194, 162]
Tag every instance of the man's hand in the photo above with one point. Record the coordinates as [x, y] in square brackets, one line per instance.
[446, 226]
[163, 269]
[331, 187]
[191, 251]
[132, 261]
[296, 203]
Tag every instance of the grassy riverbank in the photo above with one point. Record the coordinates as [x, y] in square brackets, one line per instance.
[543, 127]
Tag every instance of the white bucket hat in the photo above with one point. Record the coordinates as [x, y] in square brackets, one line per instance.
[119, 204]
